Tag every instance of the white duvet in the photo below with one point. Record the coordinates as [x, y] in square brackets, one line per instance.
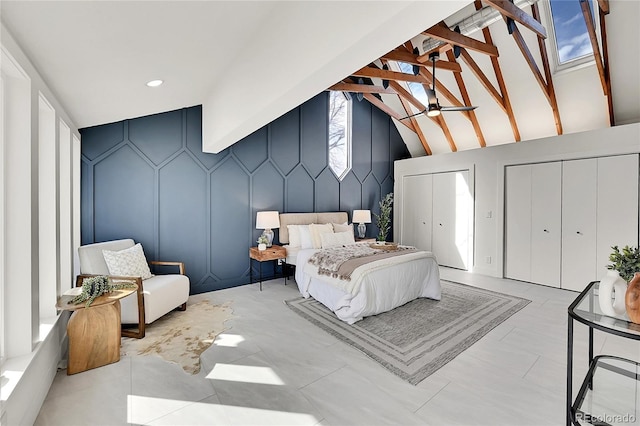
[377, 287]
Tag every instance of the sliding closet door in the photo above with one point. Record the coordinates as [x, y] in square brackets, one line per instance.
[452, 215]
[579, 183]
[518, 222]
[417, 211]
[617, 206]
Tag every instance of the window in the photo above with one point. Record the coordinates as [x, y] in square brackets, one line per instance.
[416, 89]
[573, 46]
[339, 133]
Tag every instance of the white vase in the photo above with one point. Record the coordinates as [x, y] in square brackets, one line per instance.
[611, 294]
[262, 246]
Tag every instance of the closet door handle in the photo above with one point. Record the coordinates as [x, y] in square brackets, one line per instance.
[546, 230]
[579, 233]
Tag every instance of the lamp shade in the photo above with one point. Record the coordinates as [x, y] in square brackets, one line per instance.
[267, 220]
[362, 216]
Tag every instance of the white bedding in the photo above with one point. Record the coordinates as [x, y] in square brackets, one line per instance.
[383, 285]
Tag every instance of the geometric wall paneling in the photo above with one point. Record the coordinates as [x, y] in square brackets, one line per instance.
[86, 195]
[230, 220]
[108, 136]
[380, 145]
[285, 141]
[327, 192]
[299, 194]
[313, 134]
[183, 214]
[194, 139]
[123, 198]
[252, 150]
[371, 196]
[158, 136]
[350, 194]
[200, 208]
[361, 139]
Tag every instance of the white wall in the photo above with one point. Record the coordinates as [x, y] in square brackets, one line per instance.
[489, 164]
[32, 336]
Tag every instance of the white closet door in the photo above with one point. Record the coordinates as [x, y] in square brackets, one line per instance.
[579, 183]
[617, 207]
[546, 229]
[452, 210]
[518, 222]
[417, 211]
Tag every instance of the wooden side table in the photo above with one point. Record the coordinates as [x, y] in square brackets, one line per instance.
[274, 252]
[94, 332]
[365, 240]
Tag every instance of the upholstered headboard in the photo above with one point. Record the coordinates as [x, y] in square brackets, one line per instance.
[306, 219]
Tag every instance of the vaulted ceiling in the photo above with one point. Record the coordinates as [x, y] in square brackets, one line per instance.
[249, 62]
[506, 69]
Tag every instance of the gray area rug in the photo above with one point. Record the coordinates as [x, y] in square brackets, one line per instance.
[416, 339]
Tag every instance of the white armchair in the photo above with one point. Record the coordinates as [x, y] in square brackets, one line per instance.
[155, 297]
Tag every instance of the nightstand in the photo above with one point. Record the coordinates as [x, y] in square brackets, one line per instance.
[365, 240]
[274, 252]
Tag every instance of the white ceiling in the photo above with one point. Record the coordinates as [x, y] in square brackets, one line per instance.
[247, 62]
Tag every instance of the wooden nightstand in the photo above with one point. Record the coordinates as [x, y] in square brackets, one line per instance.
[365, 240]
[271, 253]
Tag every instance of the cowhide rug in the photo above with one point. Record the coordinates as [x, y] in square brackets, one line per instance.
[181, 336]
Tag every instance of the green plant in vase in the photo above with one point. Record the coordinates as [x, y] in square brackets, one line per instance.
[383, 220]
[625, 261]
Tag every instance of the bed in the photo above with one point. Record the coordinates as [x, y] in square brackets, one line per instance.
[376, 287]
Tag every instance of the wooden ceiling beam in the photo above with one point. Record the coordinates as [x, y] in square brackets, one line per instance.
[361, 88]
[591, 30]
[387, 75]
[486, 33]
[547, 72]
[508, 9]
[522, 45]
[414, 122]
[404, 93]
[467, 100]
[410, 58]
[484, 80]
[604, 6]
[605, 59]
[447, 133]
[390, 111]
[441, 32]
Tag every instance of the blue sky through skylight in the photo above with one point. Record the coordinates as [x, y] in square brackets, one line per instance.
[572, 38]
[416, 89]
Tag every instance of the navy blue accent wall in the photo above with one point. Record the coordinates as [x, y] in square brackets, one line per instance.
[148, 179]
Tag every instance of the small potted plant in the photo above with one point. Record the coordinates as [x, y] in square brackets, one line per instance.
[625, 261]
[619, 291]
[383, 220]
[262, 242]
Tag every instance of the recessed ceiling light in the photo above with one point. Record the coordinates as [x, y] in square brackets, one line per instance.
[154, 83]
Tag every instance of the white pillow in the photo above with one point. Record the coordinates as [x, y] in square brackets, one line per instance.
[337, 239]
[129, 262]
[317, 230]
[343, 227]
[305, 237]
[294, 235]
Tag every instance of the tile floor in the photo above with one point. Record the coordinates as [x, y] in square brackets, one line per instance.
[272, 367]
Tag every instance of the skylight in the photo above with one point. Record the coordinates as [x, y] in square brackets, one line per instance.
[416, 89]
[571, 36]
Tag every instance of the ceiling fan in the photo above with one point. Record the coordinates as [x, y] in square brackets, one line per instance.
[434, 109]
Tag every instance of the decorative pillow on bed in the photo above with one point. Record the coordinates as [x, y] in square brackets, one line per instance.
[317, 230]
[306, 242]
[343, 227]
[129, 262]
[294, 235]
[337, 239]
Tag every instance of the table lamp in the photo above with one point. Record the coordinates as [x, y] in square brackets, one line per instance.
[268, 220]
[361, 217]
